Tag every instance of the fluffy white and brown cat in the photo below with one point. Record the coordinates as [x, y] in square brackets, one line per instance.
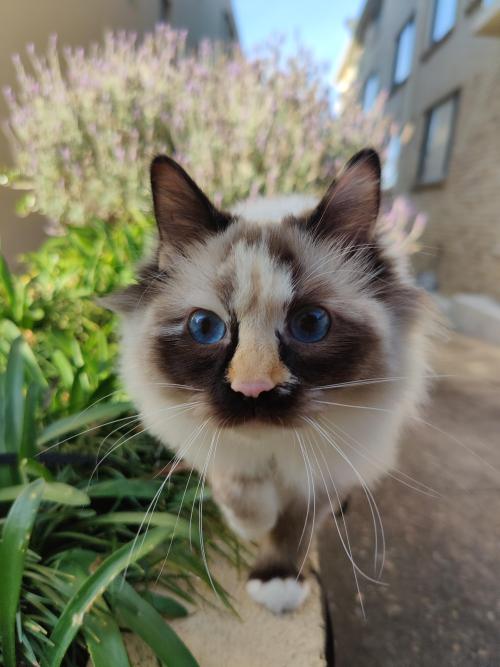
[248, 347]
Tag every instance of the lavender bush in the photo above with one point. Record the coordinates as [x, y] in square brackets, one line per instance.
[84, 130]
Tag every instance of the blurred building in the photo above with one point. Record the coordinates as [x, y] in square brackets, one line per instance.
[439, 61]
[79, 23]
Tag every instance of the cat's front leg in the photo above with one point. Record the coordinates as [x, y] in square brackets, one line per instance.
[250, 504]
[276, 580]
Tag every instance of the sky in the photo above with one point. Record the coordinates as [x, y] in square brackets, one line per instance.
[319, 24]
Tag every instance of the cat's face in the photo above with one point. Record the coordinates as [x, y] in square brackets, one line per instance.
[260, 318]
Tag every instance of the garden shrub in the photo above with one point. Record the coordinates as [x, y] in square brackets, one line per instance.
[84, 130]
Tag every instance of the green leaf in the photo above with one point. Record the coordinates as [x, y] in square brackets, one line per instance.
[96, 414]
[14, 398]
[165, 605]
[34, 468]
[101, 632]
[104, 641]
[55, 492]
[80, 390]
[143, 619]
[11, 332]
[5, 472]
[27, 448]
[64, 367]
[71, 619]
[6, 281]
[161, 519]
[125, 488]
[15, 539]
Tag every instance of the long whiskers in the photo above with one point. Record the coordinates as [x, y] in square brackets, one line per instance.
[183, 407]
[347, 547]
[204, 424]
[394, 473]
[310, 482]
[369, 381]
[153, 504]
[374, 511]
[420, 420]
[213, 448]
[369, 496]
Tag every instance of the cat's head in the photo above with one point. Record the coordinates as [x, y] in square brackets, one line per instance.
[257, 318]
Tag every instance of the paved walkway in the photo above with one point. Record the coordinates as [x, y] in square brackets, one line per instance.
[442, 604]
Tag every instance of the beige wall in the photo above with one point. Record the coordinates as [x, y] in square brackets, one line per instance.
[76, 22]
[80, 22]
[463, 236]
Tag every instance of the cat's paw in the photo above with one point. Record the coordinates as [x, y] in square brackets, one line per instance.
[279, 594]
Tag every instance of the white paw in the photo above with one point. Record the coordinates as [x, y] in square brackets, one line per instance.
[278, 595]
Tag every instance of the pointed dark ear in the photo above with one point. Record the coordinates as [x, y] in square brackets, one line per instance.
[184, 214]
[350, 207]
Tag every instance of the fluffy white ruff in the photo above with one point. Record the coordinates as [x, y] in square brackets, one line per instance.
[278, 595]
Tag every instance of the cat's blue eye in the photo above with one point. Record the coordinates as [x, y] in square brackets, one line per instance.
[206, 327]
[310, 324]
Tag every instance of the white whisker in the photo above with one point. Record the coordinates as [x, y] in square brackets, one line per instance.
[363, 451]
[204, 424]
[347, 548]
[317, 427]
[310, 474]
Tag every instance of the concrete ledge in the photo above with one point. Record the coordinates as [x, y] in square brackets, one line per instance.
[217, 638]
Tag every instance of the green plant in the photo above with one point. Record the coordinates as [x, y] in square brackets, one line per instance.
[53, 305]
[66, 545]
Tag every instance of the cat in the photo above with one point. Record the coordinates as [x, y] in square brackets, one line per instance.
[248, 347]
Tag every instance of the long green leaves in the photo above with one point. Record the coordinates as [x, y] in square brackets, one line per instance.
[70, 621]
[141, 617]
[56, 492]
[94, 414]
[14, 400]
[104, 641]
[15, 539]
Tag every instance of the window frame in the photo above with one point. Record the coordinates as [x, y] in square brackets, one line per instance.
[435, 42]
[165, 11]
[472, 5]
[230, 24]
[373, 74]
[453, 96]
[395, 85]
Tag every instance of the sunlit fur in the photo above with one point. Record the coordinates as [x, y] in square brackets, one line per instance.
[264, 467]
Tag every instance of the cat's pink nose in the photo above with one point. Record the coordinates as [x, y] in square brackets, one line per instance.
[252, 388]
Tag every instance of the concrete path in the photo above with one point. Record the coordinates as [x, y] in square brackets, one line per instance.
[442, 604]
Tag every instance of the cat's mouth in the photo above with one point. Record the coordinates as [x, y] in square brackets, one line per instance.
[276, 406]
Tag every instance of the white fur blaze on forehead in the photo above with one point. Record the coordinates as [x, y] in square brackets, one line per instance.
[261, 286]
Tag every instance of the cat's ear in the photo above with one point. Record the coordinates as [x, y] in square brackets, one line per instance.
[184, 214]
[350, 207]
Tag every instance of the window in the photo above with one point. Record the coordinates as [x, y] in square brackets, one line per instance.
[390, 170]
[404, 53]
[443, 20]
[437, 143]
[230, 24]
[165, 10]
[370, 92]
